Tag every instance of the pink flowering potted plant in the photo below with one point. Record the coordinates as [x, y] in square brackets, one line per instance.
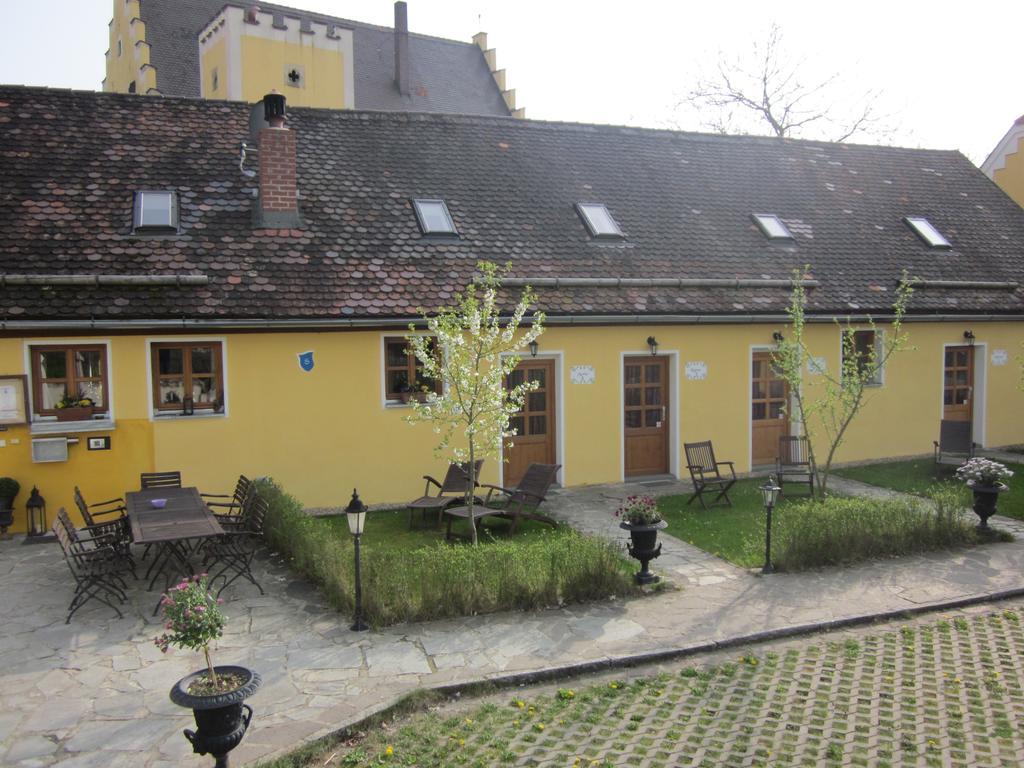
[984, 477]
[194, 620]
[640, 516]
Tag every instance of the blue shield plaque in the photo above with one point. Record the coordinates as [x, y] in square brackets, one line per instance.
[306, 361]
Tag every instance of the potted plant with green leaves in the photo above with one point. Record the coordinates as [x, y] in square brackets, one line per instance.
[984, 477]
[640, 516]
[75, 408]
[215, 695]
[9, 488]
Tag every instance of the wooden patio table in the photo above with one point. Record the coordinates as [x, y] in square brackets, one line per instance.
[174, 531]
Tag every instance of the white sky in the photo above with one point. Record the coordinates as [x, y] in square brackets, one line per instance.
[950, 73]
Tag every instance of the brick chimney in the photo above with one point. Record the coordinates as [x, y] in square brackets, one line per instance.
[402, 47]
[278, 203]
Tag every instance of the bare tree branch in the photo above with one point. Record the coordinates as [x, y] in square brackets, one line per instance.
[765, 91]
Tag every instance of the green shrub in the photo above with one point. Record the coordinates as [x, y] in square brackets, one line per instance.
[445, 580]
[843, 530]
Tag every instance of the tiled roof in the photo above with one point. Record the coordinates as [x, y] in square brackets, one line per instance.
[72, 160]
[445, 75]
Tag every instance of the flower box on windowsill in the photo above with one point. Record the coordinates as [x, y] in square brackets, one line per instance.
[414, 397]
[80, 413]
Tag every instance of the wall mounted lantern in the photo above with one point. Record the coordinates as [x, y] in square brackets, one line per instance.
[533, 348]
[653, 344]
[777, 337]
[969, 338]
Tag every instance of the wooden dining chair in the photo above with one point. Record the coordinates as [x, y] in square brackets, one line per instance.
[160, 480]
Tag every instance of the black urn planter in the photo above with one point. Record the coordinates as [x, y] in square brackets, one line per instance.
[985, 499]
[644, 547]
[221, 719]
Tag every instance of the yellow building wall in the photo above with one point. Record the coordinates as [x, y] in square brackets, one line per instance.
[215, 58]
[263, 70]
[122, 70]
[1011, 177]
[327, 431]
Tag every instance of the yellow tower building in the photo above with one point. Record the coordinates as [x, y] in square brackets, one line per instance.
[1005, 165]
[240, 51]
[244, 54]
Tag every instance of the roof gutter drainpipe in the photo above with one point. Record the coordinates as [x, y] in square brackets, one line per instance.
[403, 322]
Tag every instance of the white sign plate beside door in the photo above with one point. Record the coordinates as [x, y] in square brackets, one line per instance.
[696, 370]
[1000, 357]
[582, 374]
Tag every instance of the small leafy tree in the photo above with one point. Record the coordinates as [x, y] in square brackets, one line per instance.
[194, 619]
[832, 401]
[472, 356]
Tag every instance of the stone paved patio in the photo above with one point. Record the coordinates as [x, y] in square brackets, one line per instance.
[95, 693]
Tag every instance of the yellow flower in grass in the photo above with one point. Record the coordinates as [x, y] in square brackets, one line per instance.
[389, 750]
[469, 721]
[462, 742]
[539, 726]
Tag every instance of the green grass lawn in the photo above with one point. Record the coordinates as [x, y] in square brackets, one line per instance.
[917, 475]
[390, 528]
[733, 533]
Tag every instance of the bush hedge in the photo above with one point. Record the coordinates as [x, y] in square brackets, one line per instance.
[844, 530]
[443, 580]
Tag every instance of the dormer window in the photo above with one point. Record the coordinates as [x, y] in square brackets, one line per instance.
[927, 232]
[772, 226]
[599, 222]
[155, 212]
[434, 218]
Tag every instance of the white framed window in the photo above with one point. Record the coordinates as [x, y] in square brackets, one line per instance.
[187, 376]
[866, 347]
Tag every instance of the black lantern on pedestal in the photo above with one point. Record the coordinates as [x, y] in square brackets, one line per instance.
[355, 513]
[769, 495]
[35, 508]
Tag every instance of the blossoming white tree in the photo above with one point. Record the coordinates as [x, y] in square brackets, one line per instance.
[471, 352]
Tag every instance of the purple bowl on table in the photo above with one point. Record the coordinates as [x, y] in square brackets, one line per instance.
[158, 503]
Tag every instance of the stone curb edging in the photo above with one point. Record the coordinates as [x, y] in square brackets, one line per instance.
[563, 671]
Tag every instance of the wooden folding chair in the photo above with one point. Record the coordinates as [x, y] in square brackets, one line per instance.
[706, 475]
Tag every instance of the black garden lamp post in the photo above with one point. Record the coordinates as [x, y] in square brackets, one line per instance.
[355, 513]
[769, 495]
[36, 509]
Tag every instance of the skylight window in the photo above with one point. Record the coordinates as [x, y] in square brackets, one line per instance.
[927, 232]
[155, 211]
[598, 220]
[772, 226]
[434, 218]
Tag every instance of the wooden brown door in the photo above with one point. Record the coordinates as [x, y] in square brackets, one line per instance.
[534, 442]
[958, 384]
[646, 416]
[768, 422]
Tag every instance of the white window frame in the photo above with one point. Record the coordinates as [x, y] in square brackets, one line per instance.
[205, 413]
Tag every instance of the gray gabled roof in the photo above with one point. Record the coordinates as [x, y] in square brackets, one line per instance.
[445, 75]
[684, 201]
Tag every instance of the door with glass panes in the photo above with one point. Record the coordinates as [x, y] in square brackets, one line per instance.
[534, 441]
[645, 416]
[768, 422]
[958, 384]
